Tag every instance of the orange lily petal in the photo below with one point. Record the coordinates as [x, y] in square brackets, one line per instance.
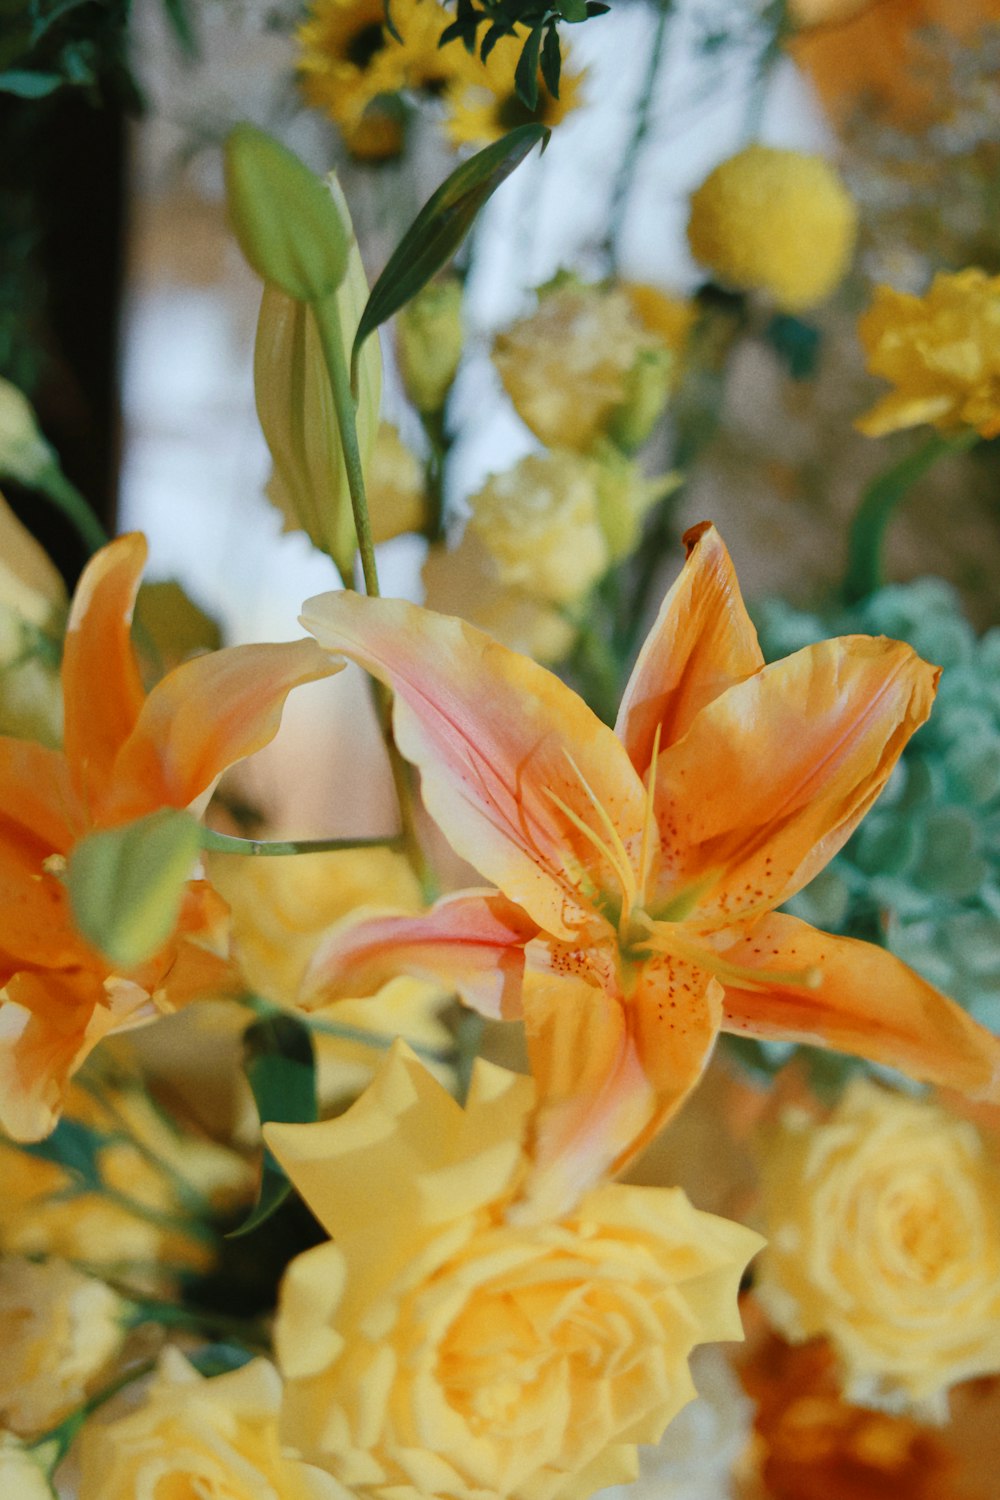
[36, 796]
[773, 776]
[36, 929]
[202, 717]
[868, 1003]
[703, 642]
[474, 941]
[506, 752]
[102, 690]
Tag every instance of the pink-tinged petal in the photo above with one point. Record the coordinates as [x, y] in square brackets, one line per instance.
[609, 1074]
[702, 643]
[773, 776]
[868, 1002]
[102, 689]
[506, 753]
[204, 716]
[473, 941]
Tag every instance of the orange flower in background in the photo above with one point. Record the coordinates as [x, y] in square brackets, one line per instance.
[125, 754]
[638, 870]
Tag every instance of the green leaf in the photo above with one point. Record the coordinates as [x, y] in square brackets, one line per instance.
[182, 22]
[526, 72]
[219, 1359]
[27, 85]
[552, 61]
[74, 1146]
[280, 1065]
[288, 225]
[441, 226]
[126, 884]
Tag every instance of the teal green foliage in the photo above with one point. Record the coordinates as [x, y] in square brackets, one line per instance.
[921, 875]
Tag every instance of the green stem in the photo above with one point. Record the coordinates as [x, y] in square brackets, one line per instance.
[63, 1435]
[406, 794]
[327, 315]
[434, 471]
[170, 1315]
[227, 843]
[66, 497]
[642, 119]
[866, 537]
[776, 19]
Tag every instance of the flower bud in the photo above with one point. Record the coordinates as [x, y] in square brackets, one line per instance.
[429, 343]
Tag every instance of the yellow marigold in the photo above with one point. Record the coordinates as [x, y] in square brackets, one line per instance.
[434, 1349]
[884, 1236]
[482, 103]
[463, 580]
[774, 221]
[587, 361]
[59, 1331]
[942, 353]
[193, 1436]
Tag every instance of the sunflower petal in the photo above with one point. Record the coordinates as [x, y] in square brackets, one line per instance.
[868, 1002]
[702, 643]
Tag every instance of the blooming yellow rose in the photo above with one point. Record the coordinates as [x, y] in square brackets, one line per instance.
[21, 1473]
[463, 580]
[59, 1330]
[437, 1349]
[884, 1235]
[193, 1436]
[775, 221]
[941, 352]
[587, 361]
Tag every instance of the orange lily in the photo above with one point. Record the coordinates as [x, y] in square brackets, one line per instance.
[638, 869]
[126, 753]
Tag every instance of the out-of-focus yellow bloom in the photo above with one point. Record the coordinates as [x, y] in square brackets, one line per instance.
[463, 580]
[193, 1436]
[397, 495]
[429, 343]
[774, 221]
[21, 1474]
[483, 103]
[60, 1331]
[33, 608]
[281, 908]
[592, 360]
[942, 353]
[540, 522]
[379, 136]
[435, 1349]
[624, 495]
[884, 1236]
[825, 12]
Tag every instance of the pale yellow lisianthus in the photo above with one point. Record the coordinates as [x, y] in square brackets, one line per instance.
[942, 353]
[193, 1436]
[59, 1331]
[281, 908]
[435, 1349]
[464, 580]
[590, 358]
[397, 494]
[775, 221]
[884, 1236]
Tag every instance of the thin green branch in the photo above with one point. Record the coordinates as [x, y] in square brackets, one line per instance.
[227, 843]
[641, 123]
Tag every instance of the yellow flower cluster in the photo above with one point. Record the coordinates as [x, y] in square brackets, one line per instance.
[436, 1349]
[884, 1235]
[941, 351]
[774, 221]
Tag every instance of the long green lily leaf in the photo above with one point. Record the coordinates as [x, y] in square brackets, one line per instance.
[441, 226]
[280, 1066]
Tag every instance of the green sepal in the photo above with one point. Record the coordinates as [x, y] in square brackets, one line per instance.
[280, 1065]
[126, 884]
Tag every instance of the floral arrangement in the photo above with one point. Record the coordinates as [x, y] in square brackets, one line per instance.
[625, 1117]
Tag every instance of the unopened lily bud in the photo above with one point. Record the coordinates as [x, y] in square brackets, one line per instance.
[296, 411]
[429, 343]
[288, 226]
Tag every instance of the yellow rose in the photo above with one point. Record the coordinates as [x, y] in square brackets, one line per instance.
[774, 221]
[194, 1436]
[941, 352]
[59, 1331]
[586, 363]
[21, 1474]
[436, 1349]
[463, 580]
[884, 1236]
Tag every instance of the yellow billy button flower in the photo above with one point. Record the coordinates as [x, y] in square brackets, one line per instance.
[434, 1349]
[193, 1436]
[638, 870]
[884, 1236]
[775, 221]
[941, 351]
[59, 1330]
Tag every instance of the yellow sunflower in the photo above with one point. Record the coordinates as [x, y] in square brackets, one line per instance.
[482, 104]
[347, 57]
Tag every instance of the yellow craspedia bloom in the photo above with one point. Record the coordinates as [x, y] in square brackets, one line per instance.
[433, 1350]
[774, 221]
[942, 353]
[884, 1236]
[482, 102]
[60, 1331]
[590, 361]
